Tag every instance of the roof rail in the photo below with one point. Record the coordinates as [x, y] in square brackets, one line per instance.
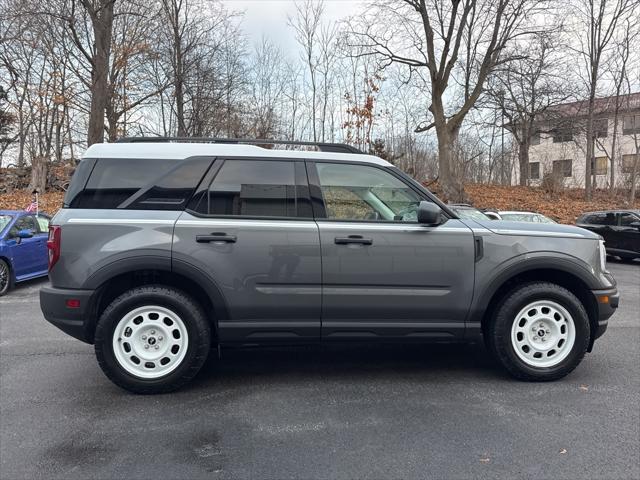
[323, 147]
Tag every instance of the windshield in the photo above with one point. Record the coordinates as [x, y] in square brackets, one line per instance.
[4, 221]
[470, 213]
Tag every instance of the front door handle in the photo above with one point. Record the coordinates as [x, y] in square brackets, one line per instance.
[216, 237]
[353, 239]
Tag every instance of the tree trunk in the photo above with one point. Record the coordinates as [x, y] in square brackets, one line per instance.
[448, 178]
[102, 20]
[523, 159]
[38, 174]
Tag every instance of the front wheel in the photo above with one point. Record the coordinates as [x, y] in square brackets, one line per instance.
[152, 339]
[5, 277]
[540, 332]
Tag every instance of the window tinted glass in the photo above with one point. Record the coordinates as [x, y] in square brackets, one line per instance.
[28, 222]
[601, 219]
[78, 180]
[158, 184]
[256, 188]
[627, 219]
[360, 192]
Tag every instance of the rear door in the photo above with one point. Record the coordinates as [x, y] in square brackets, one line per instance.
[250, 229]
[384, 275]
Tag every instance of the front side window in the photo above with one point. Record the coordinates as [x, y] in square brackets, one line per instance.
[365, 193]
[28, 222]
[626, 219]
[256, 188]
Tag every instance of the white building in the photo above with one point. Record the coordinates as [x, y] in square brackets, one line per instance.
[559, 146]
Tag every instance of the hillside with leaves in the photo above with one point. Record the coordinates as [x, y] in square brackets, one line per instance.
[564, 207]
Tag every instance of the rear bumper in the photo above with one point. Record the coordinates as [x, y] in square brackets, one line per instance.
[607, 302]
[73, 321]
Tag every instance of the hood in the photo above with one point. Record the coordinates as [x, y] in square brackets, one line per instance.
[503, 227]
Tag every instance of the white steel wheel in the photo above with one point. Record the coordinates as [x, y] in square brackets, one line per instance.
[150, 342]
[543, 334]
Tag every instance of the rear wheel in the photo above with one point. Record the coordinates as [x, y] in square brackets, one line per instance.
[5, 277]
[152, 339]
[540, 332]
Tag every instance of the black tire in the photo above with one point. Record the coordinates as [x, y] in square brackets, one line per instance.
[6, 280]
[499, 330]
[191, 314]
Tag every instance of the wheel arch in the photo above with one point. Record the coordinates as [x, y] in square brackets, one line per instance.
[571, 278]
[117, 278]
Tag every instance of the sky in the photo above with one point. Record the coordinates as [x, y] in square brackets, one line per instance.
[269, 18]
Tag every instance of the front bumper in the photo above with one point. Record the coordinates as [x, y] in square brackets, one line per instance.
[607, 301]
[73, 320]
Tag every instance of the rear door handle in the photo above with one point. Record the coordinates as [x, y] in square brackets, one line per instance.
[353, 239]
[216, 237]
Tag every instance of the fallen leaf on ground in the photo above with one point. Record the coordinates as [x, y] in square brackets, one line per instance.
[584, 388]
[563, 451]
[485, 460]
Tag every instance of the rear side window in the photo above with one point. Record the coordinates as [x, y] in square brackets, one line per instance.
[141, 184]
[257, 188]
[601, 219]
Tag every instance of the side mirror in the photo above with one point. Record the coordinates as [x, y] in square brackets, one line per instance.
[429, 213]
[26, 233]
[635, 225]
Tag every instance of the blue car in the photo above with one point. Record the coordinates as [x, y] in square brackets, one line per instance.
[23, 247]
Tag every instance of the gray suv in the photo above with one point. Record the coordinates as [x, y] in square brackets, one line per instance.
[166, 247]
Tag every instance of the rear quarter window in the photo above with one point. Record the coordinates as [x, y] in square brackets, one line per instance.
[140, 184]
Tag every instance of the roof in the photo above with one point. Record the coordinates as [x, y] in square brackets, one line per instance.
[602, 105]
[12, 212]
[614, 210]
[186, 150]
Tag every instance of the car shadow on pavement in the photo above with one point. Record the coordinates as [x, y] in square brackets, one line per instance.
[243, 366]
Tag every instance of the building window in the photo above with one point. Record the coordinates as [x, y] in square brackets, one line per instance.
[562, 168]
[601, 127]
[563, 133]
[628, 162]
[534, 170]
[631, 125]
[600, 165]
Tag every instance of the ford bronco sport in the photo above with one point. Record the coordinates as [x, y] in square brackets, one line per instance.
[167, 247]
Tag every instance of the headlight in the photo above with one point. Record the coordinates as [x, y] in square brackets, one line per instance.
[603, 256]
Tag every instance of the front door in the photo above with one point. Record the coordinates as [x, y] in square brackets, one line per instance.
[27, 252]
[383, 274]
[251, 231]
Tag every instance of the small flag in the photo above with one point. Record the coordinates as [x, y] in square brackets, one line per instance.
[33, 206]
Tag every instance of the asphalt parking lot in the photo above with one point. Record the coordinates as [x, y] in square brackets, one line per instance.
[332, 412]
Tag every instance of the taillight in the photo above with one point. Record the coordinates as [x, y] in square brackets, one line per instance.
[53, 244]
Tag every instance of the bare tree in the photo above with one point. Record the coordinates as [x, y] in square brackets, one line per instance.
[598, 25]
[97, 53]
[459, 43]
[525, 90]
[306, 24]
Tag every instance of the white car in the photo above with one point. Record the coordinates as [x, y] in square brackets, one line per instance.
[515, 216]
